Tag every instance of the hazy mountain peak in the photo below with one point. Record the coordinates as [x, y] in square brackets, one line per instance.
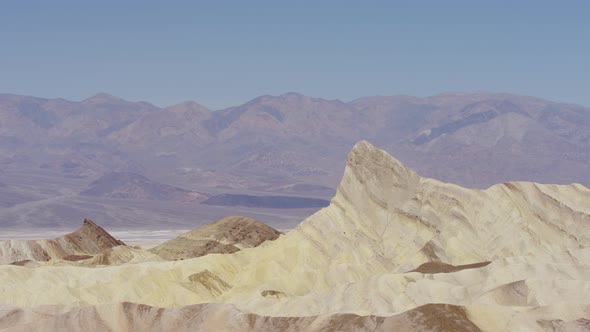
[285, 97]
[188, 106]
[295, 96]
[101, 97]
[292, 95]
[462, 94]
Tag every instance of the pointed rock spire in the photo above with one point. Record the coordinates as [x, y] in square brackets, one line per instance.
[377, 174]
[101, 97]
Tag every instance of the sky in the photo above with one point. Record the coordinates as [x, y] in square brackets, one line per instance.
[224, 53]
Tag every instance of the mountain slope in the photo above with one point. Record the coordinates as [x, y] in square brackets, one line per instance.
[66, 136]
[289, 144]
[478, 139]
[90, 239]
[274, 202]
[359, 255]
[473, 139]
[226, 235]
[178, 124]
[135, 186]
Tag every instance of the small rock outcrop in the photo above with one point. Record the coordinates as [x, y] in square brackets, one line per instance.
[88, 240]
[224, 236]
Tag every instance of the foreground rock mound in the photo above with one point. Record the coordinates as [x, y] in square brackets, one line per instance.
[120, 255]
[88, 240]
[137, 317]
[392, 245]
[224, 236]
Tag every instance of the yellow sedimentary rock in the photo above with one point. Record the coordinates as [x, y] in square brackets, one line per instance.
[356, 256]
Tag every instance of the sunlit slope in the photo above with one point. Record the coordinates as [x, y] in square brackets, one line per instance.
[223, 236]
[224, 317]
[90, 239]
[352, 256]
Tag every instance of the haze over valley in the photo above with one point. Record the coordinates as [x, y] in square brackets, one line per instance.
[134, 165]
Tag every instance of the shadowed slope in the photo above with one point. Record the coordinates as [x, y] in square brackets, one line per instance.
[437, 267]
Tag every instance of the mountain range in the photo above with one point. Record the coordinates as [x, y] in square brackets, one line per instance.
[291, 144]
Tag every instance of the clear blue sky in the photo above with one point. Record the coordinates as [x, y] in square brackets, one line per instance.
[223, 53]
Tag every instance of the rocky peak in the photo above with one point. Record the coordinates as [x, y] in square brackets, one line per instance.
[88, 240]
[241, 230]
[226, 235]
[91, 238]
[89, 223]
[189, 107]
[375, 170]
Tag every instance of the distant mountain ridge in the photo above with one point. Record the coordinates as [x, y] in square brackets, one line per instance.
[274, 202]
[134, 186]
[275, 142]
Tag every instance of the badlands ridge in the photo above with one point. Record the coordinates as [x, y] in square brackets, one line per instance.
[392, 251]
[88, 240]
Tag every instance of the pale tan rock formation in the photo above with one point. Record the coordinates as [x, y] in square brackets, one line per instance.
[223, 236]
[88, 240]
[120, 255]
[379, 250]
[224, 317]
